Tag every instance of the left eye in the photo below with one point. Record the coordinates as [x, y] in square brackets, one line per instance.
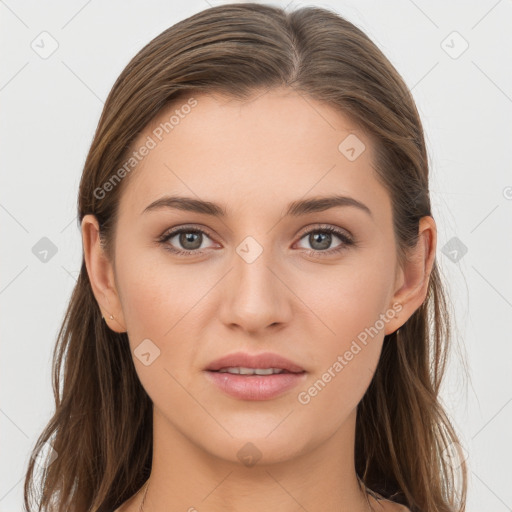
[191, 240]
[322, 238]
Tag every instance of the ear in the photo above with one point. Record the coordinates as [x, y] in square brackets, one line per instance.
[411, 284]
[101, 275]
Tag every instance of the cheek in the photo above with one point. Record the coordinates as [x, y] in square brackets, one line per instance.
[345, 362]
[155, 293]
[158, 301]
[349, 302]
[349, 297]
[162, 301]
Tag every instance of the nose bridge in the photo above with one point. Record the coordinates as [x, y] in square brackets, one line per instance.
[256, 298]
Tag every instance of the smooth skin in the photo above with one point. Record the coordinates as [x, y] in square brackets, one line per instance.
[297, 298]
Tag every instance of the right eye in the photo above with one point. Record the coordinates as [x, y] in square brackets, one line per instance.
[189, 238]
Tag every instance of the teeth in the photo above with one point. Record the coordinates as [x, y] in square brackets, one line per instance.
[251, 371]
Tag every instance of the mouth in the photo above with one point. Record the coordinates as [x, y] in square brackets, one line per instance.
[254, 377]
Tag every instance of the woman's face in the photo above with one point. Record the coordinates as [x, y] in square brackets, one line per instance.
[260, 278]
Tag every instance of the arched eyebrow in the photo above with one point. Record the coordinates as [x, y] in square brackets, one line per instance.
[294, 209]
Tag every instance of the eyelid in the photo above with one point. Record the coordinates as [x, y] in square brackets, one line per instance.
[320, 227]
[183, 227]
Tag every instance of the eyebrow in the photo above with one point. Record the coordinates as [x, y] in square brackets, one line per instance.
[295, 209]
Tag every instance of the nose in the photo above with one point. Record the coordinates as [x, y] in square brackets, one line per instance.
[255, 295]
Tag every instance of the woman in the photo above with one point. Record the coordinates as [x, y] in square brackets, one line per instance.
[259, 322]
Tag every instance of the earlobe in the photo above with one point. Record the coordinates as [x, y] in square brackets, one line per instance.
[101, 275]
[415, 275]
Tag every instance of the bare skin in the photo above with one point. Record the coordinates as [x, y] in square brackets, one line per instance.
[303, 302]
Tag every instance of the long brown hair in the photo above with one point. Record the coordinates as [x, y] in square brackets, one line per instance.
[101, 429]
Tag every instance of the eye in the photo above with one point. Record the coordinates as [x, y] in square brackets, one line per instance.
[321, 238]
[190, 239]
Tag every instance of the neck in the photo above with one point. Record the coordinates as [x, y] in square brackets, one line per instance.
[187, 477]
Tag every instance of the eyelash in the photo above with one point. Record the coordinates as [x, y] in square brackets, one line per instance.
[346, 241]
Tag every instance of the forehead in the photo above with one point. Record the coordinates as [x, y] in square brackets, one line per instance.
[269, 150]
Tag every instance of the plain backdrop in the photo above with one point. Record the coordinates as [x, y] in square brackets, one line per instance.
[457, 59]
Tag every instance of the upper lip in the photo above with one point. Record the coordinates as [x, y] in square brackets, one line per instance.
[245, 360]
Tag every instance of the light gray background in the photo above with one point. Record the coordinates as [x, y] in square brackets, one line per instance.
[50, 108]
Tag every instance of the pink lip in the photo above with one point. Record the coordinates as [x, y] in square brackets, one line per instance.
[255, 387]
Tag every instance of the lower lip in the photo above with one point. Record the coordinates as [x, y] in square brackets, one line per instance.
[255, 387]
